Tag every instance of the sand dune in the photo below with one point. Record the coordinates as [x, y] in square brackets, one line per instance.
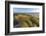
[27, 20]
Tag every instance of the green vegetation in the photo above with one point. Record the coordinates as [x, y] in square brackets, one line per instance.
[27, 20]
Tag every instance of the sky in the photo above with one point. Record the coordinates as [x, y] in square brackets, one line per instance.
[24, 10]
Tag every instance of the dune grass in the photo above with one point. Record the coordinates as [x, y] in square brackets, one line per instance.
[27, 20]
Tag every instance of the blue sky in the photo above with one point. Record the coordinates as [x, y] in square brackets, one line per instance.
[21, 10]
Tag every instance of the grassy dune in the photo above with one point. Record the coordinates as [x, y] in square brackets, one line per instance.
[27, 20]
